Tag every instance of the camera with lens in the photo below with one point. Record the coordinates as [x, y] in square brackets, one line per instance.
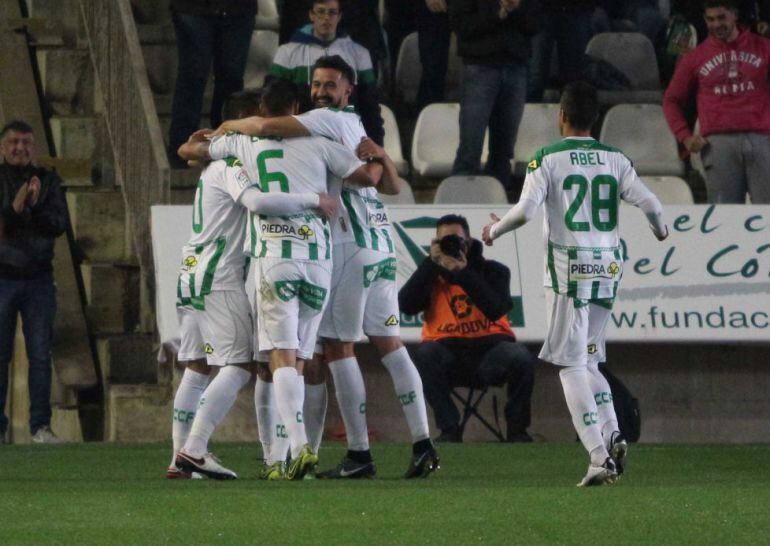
[453, 246]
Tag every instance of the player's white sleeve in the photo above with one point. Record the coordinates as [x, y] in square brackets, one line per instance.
[321, 122]
[277, 204]
[634, 192]
[340, 161]
[521, 213]
[236, 180]
[229, 145]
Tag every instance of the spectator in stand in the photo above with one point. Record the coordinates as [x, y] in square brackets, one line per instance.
[728, 75]
[32, 214]
[466, 337]
[568, 25]
[433, 35]
[400, 21]
[494, 43]
[752, 13]
[294, 61]
[207, 31]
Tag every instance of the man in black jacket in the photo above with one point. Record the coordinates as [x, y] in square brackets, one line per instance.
[32, 214]
[494, 43]
[466, 336]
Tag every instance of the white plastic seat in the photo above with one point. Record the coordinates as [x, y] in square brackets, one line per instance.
[435, 140]
[671, 190]
[393, 140]
[641, 132]
[470, 190]
[633, 54]
[405, 197]
[539, 127]
[264, 44]
[267, 15]
[409, 70]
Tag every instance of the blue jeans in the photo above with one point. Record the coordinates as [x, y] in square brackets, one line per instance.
[570, 30]
[491, 97]
[201, 40]
[35, 300]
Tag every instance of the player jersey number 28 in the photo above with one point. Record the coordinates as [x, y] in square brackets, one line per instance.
[603, 202]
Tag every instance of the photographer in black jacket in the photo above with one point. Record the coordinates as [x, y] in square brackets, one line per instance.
[466, 336]
[32, 214]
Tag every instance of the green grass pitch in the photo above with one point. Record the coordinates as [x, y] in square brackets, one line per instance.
[483, 493]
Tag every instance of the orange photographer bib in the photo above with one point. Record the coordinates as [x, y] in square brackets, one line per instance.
[453, 314]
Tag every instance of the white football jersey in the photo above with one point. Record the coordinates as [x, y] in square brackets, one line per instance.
[296, 165]
[362, 218]
[213, 257]
[581, 182]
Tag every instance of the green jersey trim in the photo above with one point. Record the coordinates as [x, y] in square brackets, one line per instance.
[358, 231]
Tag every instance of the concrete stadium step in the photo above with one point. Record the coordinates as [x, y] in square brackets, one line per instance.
[182, 196]
[99, 224]
[64, 13]
[128, 359]
[156, 33]
[185, 178]
[138, 413]
[112, 297]
[161, 63]
[73, 172]
[68, 81]
[43, 32]
[78, 137]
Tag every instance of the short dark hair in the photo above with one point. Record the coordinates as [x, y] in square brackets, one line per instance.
[314, 2]
[728, 4]
[279, 97]
[16, 125]
[580, 105]
[241, 104]
[455, 219]
[335, 62]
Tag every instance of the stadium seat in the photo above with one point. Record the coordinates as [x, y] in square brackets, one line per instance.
[393, 140]
[539, 127]
[641, 132]
[470, 190]
[633, 54]
[409, 71]
[267, 16]
[264, 43]
[435, 140]
[405, 197]
[671, 190]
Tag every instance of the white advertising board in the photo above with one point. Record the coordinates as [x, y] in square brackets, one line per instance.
[708, 282]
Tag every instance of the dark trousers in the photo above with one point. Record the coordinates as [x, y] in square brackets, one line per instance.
[570, 30]
[433, 36]
[35, 300]
[443, 366]
[494, 97]
[201, 41]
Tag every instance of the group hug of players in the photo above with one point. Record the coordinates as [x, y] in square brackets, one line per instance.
[298, 195]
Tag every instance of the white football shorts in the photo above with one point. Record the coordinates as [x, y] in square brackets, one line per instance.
[363, 295]
[291, 299]
[191, 345]
[575, 331]
[227, 328]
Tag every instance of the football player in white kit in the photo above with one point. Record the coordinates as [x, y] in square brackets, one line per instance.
[581, 181]
[294, 258]
[363, 292]
[211, 279]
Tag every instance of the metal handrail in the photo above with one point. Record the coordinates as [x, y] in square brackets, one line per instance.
[141, 165]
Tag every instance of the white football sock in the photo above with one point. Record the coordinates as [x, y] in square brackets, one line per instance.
[408, 385]
[216, 401]
[582, 408]
[279, 448]
[290, 399]
[263, 403]
[315, 413]
[600, 388]
[351, 398]
[186, 401]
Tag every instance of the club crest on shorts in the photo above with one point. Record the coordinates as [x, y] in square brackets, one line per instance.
[392, 321]
[592, 349]
[208, 349]
[189, 263]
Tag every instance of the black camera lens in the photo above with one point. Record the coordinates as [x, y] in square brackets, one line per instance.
[452, 245]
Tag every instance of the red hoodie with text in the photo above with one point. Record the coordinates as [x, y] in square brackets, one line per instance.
[730, 79]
